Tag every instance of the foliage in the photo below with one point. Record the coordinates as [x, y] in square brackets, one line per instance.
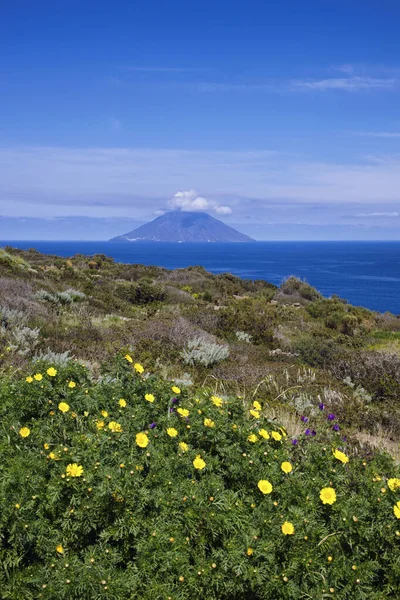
[143, 292]
[90, 509]
[242, 336]
[293, 286]
[201, 352]
[61, 298]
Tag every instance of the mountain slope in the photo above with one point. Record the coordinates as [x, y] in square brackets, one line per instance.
[178, 226]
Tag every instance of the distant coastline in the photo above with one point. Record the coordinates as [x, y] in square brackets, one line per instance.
[365, 273]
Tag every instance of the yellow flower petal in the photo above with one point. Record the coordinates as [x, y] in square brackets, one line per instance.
[287, 528]
[199, 463]
[142, 440]
[264, 486]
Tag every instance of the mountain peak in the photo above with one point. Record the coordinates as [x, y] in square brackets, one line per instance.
[180, 226]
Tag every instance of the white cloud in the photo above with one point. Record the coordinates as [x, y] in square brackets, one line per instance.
[379, 214]
[346, 68]
[137, 181]
[349, 84]
[377, 134]
[189, 200]
[223, 210]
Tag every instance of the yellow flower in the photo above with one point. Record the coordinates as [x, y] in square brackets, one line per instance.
[100, 424]
[255, 413]
[149, 397]
[46, 446]
[138, 368]
[74, 470]
[183, 412]
[217, 401]
[128, 358]
[71, 384]
[394, 484]
[209, 423]
[114, 427]
[122, 402]
[104, 414]
[29, 379]
[24, 432]
[286, 467]
[252, 438]
[264, 434]
[396, 510]
[183, 446]
[64, 407]
[172, 432]
[256, 405]
[38, 377]
[142, 440]
[51, 372]
[60, 549]
[54, 456]
[282, 430]
[264, 486]
[276, 436]
[199, 463]
[287, 528]
[341, 456]
[175, 389]
[328, 495]
[249, 552]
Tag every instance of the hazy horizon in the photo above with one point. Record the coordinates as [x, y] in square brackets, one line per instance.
[280, 119]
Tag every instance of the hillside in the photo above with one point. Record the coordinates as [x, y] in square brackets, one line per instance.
[178, 226]
[178, 434]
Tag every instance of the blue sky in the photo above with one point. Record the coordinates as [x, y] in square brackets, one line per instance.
[281, 118]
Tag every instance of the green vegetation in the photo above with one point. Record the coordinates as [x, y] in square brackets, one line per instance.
[262, 384]
[129, 487]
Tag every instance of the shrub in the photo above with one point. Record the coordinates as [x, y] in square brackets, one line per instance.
[23, 340]
[242, 336]
[60, 298]
[256, 317]
[201, 352]
[55, 358]
[293, 286]
[317, 351]
[143, 292]
[104, 498]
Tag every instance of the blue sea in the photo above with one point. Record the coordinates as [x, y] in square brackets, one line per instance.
[365, 273]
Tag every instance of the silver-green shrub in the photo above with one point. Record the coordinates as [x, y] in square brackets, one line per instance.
[56, 359]
[200, 352]
[23, 340]
[242, 336]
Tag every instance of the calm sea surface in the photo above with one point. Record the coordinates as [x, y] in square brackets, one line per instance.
[365, 273]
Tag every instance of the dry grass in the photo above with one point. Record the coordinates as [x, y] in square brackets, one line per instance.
[379, 441]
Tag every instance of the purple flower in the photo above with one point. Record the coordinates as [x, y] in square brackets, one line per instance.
[321, 406]
[308, 432]
[313, 432]
[304, 419]
[344, 438]
[152, 425]
[335, 427]
[294, 442]
[172, 409]
[175, 400]
[331, 417]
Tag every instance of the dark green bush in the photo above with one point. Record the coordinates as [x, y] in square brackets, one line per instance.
[317, 351]
[152, 522]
